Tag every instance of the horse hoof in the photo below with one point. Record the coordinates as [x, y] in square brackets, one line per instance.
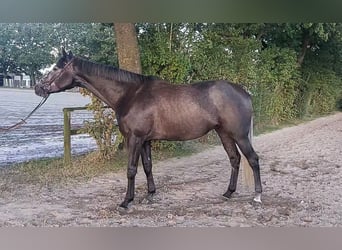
[227, 195]
[148, 199]
[150, 196]
[257, 198]
[124, 205]
[152, 192]
[124, 210]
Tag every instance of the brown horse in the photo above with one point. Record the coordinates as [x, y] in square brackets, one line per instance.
[148, 108]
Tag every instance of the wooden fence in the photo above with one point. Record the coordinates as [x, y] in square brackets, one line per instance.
[68, 132]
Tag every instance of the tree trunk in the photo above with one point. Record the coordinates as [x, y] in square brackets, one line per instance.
[33, 79]
[127, 47]
[305, 45]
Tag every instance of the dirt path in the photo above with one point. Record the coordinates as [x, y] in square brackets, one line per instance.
[301, 171]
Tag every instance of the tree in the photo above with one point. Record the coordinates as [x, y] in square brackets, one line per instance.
[127, 47]
[7, 63]
[24, 49]
[33, 52]
[164, 51]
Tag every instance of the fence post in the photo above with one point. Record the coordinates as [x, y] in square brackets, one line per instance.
[67, 137]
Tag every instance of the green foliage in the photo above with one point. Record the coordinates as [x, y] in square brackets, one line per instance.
[167, 146]
[322, 90]
[208, 57]
[275, 92]
[103, 128]
[161, 55]
[24, 48]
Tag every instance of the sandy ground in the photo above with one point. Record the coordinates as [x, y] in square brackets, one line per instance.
[301, 171]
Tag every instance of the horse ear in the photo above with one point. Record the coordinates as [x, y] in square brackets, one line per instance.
[64, 52]
[70, 54]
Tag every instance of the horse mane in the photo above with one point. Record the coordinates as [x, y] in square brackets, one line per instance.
[109, 72]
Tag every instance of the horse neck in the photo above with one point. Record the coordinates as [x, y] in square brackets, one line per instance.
[110, 91]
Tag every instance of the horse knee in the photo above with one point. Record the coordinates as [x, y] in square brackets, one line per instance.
[147, 164]
[235, 161]
[131, 172]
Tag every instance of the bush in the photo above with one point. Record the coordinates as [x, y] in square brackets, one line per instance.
[322, 91]
[103, 128]
[276, 90]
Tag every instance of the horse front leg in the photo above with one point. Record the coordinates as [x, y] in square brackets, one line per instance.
[147, 163]
[134, 150]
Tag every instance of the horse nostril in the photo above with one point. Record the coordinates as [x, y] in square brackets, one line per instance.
[40, 90]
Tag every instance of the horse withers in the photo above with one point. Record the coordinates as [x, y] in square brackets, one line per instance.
[148, 108]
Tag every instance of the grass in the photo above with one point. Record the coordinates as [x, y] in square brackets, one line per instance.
[53, 171]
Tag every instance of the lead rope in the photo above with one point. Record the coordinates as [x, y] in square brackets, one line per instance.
[18, 124]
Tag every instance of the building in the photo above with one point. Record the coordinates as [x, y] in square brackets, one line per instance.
[15, 81]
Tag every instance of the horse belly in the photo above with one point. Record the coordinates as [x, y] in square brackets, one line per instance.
[183, 125]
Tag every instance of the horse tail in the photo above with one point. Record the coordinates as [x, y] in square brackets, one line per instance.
[247, 172]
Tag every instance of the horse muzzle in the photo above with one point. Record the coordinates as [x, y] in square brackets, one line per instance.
[41, 90]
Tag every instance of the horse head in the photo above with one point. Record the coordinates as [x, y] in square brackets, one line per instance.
[60, 78]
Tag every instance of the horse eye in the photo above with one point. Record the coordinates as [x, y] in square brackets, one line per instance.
[54, 68]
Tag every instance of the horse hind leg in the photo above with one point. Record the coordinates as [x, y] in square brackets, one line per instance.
[234, 157]
[253, 160]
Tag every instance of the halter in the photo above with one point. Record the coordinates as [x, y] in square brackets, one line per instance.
[61, 72]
